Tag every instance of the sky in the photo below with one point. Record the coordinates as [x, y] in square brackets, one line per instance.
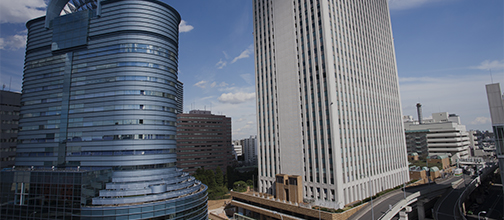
[446, 52]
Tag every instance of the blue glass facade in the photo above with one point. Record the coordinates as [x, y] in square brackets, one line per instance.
[100, 94]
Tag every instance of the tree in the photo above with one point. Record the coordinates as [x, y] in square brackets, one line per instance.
[210, 179]
[230, 176]
[240, 186]
[219, 177]
[250, 183]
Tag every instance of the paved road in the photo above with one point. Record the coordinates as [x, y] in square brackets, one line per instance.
[448, 208]
[382, 203]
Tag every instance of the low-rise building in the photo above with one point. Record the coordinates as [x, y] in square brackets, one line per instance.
[442, 160]
[443, 134]
[418, 173]
[412, 156]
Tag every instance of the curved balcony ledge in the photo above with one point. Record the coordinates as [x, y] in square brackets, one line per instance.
[147, 198]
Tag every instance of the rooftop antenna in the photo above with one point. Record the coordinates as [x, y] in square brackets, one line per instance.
[10, 81]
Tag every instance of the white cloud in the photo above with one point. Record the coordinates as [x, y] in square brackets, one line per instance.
[240, 120]
[406, 4]
[248, 78]
[13, 42]
[221, 64]
[250, 124]
[204, 84]
[208, 97]
[17, 11]
[490, 65]
[481, 120]
[225, 55]
[245, 54]
[184, 27]
[201, 84]
[236, 98]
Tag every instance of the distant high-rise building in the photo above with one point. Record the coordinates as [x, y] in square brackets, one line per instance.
[496, 105]
[250, 150]
[9, 123]
[328, 105]
[98, 117]
[203, 141]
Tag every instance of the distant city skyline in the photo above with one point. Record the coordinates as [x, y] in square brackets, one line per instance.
[445, 51]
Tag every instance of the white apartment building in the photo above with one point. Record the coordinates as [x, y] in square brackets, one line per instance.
[238, 150]
[328, 105]
[445, 135]
[250, 150]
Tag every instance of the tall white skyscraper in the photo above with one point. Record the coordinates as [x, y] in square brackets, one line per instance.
[328, 104]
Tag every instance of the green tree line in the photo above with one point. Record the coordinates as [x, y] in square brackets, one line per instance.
[219, 183]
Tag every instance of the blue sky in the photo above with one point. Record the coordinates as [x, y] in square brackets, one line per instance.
[445, 51]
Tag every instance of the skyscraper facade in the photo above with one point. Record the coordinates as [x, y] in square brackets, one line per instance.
[496, 106]
[203, 141]
[328, 105]
[98, 117]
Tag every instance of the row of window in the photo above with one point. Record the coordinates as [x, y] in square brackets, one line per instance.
[10, 122]
[9, 131]
[79, 108]
[79, 123]
[81, 94]
[9, 113]
[76, 108]
[76, 138]
[80, 81]
[46, 61]
[201, 158]
[43, 88]
[84, 68]
[8, 140]
[8, 158]
[126, 48]
[41, 101]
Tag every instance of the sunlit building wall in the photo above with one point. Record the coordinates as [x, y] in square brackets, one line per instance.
[328, 104]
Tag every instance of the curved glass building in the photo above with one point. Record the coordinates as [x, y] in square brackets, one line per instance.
[98, 117]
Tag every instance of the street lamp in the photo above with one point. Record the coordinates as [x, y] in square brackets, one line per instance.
[484, 212]
[276, 213]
